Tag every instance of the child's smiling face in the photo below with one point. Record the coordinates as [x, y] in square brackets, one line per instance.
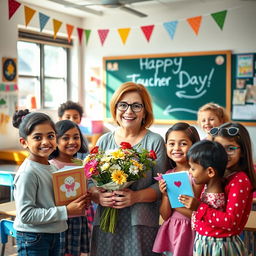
[41, 143]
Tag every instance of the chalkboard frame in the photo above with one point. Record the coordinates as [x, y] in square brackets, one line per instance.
[226, 89]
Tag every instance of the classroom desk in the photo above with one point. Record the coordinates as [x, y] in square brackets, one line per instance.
[15, 155]
[8, 209]
[251, 223]
[9, 168]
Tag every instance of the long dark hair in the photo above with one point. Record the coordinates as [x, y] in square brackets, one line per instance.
[242, 138]
[62, 127]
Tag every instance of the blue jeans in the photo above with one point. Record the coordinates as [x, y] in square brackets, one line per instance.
[38, 244]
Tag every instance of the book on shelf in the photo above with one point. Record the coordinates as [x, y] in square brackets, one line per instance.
[69, 183]
[177, 183]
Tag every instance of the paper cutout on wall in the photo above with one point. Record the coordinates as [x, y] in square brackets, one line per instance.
[103, 33]
[87, 35]
[219, 18]
[195, 23]
[123, 33]
[56, 27]
[43, 19]
[171, 27]
[80, 34]
[29, 13]
[13, 7]
[147, 31]
[69, 31]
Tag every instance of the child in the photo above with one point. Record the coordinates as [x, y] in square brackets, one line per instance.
[70, 141]
[207, 160]
[218, 231]
[211, 115]
[73, 111]
[38, 221]
[176, 231]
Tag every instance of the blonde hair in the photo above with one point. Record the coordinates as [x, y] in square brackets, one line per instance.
[146, 99]
[219, 111]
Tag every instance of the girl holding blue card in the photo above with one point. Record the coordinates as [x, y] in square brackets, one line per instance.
[175, 236]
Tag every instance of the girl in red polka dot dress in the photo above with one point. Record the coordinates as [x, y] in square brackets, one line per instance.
[218, 230]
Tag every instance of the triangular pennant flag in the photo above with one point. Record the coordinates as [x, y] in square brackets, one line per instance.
[56, 26]
[195, 23]
[87, 35]
[147, 30]
[103, 33]
[219, 18]
[123, 33]
[29, 13]
[13, 7]
[43, 19]
[171, 27]
[80, 34]
[69, 31]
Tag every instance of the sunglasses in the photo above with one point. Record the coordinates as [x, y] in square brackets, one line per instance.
[231, 131]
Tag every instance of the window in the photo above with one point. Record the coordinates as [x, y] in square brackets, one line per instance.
[43, 73]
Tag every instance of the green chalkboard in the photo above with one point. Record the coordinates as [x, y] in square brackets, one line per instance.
[178, 83]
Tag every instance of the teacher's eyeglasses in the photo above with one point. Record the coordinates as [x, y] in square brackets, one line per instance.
[123, 106]
[231, 131]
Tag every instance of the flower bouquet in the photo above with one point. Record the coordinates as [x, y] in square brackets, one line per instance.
[115, 170]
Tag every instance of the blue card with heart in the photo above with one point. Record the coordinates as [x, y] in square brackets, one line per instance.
[178, 183]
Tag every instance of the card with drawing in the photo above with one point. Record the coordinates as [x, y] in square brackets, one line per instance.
[178, 183]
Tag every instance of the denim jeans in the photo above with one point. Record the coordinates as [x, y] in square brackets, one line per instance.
[38, 244]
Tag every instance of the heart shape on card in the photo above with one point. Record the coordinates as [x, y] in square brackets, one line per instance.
[177, 183]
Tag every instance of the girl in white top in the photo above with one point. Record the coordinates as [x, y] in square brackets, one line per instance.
[38, 221]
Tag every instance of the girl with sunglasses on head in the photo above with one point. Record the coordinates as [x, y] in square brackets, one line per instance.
[218, 230]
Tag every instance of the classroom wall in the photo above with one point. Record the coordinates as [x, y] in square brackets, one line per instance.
[238, 35]
[8, 48]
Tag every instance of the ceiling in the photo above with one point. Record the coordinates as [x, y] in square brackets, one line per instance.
[90, 8]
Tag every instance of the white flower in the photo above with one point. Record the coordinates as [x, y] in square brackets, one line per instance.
[114, 167]
[105, 166]
[133, 169]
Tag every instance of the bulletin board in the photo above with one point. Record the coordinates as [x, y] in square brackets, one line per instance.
[179, 84]
[244, 88]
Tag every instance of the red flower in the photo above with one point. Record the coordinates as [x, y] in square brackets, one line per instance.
[125, 145]
[94, 150]
[152, 154]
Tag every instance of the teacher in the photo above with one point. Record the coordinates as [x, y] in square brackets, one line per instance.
[138, 215]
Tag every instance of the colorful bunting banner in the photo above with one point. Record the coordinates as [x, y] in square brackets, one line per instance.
[56, 27]
[43, 19]
[8, 87]
[87, 35]
[123, 33]
[147, 31]
[69, 31]
[171, 27]
[29, 13]
[103, 33]
[195, 23]
[13, 7]
[219, 18]
[80, 34]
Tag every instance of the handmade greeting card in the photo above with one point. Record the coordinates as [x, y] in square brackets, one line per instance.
[178, 183]
[69, 183]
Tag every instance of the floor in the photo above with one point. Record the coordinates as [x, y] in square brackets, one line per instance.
[10, 250]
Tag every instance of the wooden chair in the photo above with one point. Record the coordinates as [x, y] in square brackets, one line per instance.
[6, 229]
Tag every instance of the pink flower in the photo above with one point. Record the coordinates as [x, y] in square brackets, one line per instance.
[90, 168]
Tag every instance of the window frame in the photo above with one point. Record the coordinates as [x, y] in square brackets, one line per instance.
[42, 39]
